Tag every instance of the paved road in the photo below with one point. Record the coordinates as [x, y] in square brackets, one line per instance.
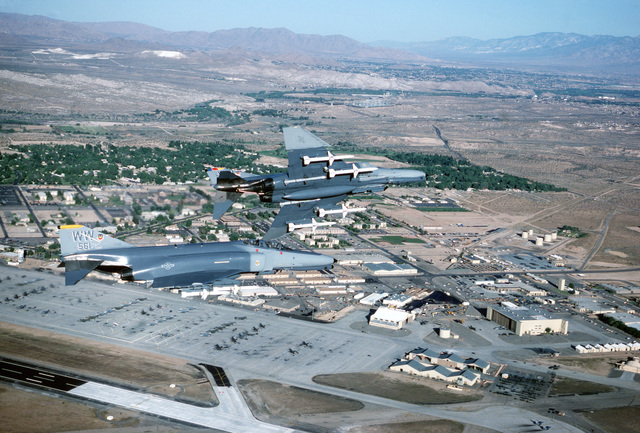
[598, 244]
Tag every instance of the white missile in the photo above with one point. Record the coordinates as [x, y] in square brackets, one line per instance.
[306, 160]
[313, 225]
[344, 211]
[354, 171]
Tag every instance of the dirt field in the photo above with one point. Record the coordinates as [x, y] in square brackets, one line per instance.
[398, 387]
[17, 409]
[563, 386]
[271, 398]
[438, 426]
[622, 419]
[106, 362]
[305, 409]
[601, 365]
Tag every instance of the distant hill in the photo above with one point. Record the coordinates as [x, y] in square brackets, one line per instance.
[558, 52]
[553, 50]
[270, 41]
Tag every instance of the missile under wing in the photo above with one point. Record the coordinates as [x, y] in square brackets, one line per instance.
[85, 249]
[316, 181]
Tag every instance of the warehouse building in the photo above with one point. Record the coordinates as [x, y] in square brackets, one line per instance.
[391, 269]
[524, 320]
[390, 318]
[397, 301]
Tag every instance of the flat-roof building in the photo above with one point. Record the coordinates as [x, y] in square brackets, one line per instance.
[390, 318]
[525, 321]
[391, 269]
[373, 298]
[397, 300]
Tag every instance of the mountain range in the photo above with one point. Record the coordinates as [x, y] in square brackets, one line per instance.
[558, 51]
[551, 49]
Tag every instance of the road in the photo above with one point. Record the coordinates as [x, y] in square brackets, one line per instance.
[33, 214]
[598, 244]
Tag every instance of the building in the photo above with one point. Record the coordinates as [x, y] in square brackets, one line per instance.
[331, 290]
[373, 298]
[391, 269]
[397, 300]
[586, 304]
[390, 318]
[448, 359]
[437, 372]
[420, 363]
[630, 320]
[525, 321]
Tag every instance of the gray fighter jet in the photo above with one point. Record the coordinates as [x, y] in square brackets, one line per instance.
[85, 249]
[316, 181]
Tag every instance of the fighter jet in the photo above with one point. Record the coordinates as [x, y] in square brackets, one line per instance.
[316, 182]
[85, 249]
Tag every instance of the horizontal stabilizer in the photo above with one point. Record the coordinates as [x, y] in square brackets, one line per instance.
[75, 270]
[219, 209]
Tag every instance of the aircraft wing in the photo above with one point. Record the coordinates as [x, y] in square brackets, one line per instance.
[298, 213]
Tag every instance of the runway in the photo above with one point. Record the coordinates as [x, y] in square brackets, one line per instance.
[231, 415]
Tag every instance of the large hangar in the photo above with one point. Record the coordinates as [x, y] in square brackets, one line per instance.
[525, 321]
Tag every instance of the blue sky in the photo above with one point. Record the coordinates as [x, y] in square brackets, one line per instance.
[365, 21]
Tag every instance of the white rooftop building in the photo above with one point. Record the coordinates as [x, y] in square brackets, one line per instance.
[390, 318]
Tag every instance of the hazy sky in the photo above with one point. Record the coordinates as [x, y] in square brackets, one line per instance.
[363, 20]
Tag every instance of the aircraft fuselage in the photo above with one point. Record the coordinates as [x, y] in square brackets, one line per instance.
[280, 187]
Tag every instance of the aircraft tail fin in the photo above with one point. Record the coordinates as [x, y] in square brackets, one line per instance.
[225, 176]
[78, 239]
[297, 138]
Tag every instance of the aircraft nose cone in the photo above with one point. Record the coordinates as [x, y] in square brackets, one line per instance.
[313, 260]
[417, 175]
[303, 260]
[406, 176]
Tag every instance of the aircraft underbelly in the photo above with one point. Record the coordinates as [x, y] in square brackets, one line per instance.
[310, 192]
[188, 269]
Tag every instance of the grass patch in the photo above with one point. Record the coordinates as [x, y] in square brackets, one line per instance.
[397, 387]
[272, 398]
[397, 240]
[442, 209]
[90, 130]
[619, 419]
[431, 426]
[564, 386]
